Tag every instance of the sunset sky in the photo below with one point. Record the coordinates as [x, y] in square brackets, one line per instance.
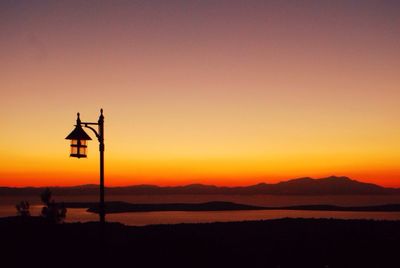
[216, 92]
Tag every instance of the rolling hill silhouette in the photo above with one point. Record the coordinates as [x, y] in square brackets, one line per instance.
[302, 186]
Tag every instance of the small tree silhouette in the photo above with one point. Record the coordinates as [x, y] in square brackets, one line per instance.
[23, 209]
[52, 211]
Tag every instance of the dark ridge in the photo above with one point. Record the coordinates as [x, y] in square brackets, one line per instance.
[303, 186]
[119, 207]
[122, 207]
[379, 208]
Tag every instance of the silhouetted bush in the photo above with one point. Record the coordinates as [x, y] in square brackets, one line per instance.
[23, 209]
[52, 211]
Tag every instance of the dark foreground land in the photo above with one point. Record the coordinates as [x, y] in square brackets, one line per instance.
[273, 243]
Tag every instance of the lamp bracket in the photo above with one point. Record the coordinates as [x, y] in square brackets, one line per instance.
[87, 125]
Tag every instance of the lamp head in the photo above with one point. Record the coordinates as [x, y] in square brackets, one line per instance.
[78, 139]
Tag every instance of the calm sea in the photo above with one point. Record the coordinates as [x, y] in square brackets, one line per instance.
[7, 208]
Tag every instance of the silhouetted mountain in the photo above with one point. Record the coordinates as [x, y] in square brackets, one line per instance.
[330, 185]
[302, 186]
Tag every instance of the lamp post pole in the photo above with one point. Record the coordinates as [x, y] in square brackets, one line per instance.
[101, 149]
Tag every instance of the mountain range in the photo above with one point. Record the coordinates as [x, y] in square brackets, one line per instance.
[302, 186]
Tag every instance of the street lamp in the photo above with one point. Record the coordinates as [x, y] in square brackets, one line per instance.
[78, 139]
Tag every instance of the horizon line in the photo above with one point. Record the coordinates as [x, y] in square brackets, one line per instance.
[184, 185]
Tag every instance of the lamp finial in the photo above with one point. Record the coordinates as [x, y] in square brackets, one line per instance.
[78, 120]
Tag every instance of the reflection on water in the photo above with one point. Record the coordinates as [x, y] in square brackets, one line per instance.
[173, 217]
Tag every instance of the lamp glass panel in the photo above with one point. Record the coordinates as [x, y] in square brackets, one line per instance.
[74, 150]
[82, 150]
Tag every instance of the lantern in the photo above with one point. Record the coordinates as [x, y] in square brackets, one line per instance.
[78, 139]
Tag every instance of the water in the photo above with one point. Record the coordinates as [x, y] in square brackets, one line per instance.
[7, 208]
[173, 217]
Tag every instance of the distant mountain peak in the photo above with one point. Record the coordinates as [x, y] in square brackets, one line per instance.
[261, 184]
[333, 177]
[332, 185]
[199, 185]
[302, 179]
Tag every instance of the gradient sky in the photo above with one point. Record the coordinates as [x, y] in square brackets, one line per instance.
[217, 92]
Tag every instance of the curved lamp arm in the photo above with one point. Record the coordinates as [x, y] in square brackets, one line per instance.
[94, 131]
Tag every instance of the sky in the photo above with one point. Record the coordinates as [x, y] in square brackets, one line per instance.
[216, 92]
